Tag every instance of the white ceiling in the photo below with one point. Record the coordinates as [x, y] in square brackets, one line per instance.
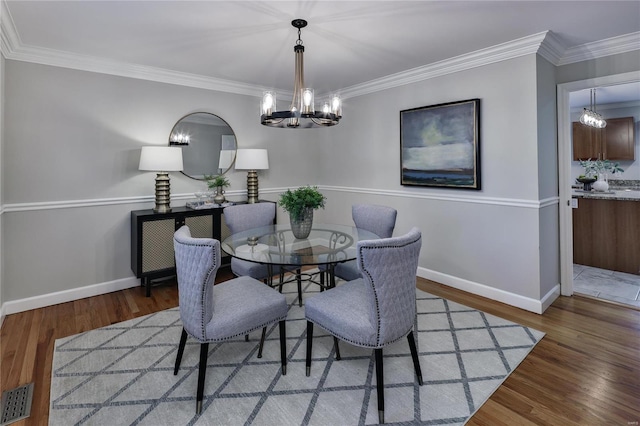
[347, 43]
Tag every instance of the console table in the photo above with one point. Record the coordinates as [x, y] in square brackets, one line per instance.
[152, 255]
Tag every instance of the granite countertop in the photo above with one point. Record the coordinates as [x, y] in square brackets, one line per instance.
[612, 194]
[623, 190]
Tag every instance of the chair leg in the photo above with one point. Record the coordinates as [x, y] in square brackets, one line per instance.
[321, 280]
[335, 345]
[183, 341]
[414, 356]
[202, 371]
[299, 279]
[264, 334]
[246, 337]
[309, 344]
[283, 347]
[380, 384]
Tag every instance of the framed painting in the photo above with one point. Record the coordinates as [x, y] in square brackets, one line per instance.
[440, 145]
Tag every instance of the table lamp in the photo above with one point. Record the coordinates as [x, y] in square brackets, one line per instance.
[161, 159]
[252, 160]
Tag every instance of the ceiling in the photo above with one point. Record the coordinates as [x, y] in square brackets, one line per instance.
[348, 43]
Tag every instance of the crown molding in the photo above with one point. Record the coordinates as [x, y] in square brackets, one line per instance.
[611, 46]
[513, 49]
[9, 39]
[545, 44]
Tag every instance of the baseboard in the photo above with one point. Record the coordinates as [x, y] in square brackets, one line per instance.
[512, 299]
[49, 299]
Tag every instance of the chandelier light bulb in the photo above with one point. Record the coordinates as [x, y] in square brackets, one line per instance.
[307, 101]
[268, 103]
[336, 105]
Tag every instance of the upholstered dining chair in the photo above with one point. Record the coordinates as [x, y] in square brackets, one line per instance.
[217, 313]
[246, 216]
[381, 220]
[375, 310]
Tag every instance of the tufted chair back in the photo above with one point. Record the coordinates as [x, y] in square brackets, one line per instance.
[388, 267]
[246, 216]
[377, 219]
[197, 262]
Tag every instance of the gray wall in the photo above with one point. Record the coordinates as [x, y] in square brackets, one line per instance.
[488, 237]
[72, 140]
[72, 148]
[1, 184]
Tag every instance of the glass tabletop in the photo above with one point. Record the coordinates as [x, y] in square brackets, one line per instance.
[276, 245]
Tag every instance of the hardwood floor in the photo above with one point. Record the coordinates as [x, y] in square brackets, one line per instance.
[585, 371]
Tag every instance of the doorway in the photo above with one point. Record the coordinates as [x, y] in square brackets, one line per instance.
[564, 168]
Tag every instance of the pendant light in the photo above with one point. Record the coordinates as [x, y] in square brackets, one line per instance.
[301, 113]
[590, 117]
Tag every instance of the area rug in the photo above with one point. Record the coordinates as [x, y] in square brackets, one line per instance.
[123, 374]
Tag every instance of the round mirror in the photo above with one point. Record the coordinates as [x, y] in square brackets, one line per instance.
[208, 144]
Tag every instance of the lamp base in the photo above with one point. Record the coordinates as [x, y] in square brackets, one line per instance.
[252, 186]
[163, 193]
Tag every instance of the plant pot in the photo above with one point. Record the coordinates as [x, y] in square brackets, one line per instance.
[586, 182]
[601, 185]
[301, 226]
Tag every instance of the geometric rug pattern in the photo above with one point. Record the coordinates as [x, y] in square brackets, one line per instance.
[123, 374]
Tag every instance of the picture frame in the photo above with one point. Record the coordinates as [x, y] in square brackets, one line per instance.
[440, 145]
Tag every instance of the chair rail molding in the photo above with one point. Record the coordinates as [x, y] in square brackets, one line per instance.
[96, 202]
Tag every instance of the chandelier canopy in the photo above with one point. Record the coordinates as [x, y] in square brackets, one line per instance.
[590, 117]
[301, 113]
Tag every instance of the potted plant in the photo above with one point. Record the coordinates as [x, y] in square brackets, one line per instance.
[598, 169]
[300, 204]
[218, 182]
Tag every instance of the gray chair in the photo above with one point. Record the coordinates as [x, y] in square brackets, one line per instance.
[217, 313]
[375, 310]
[381, 220]
[246, 216]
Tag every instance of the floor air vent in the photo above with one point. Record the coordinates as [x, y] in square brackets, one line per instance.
[16, 404]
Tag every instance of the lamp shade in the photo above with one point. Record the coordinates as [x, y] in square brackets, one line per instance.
[161, 159]
[252, 159]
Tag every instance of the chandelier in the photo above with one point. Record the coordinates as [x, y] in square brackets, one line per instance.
[590, 117]
[301, 112]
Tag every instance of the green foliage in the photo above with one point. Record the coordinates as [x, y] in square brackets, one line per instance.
[217, 181]
[294, 202]
[596, 167]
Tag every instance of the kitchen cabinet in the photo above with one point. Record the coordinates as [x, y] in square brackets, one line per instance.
[614, 142]
[606, 234]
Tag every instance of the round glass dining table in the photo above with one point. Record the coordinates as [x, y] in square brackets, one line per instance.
[274, 245]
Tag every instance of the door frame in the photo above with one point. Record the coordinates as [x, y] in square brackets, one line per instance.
[564, 166]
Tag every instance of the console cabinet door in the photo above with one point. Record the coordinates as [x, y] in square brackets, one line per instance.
[157, 245]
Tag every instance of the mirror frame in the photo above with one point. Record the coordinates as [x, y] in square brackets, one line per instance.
[233, 161]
